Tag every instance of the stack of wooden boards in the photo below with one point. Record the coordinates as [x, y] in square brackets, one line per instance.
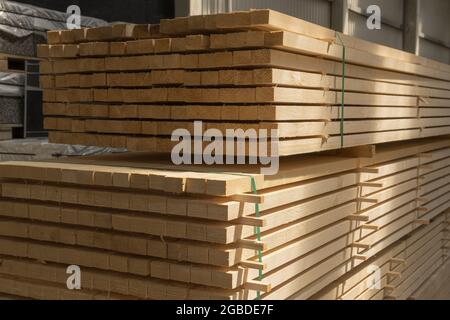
[125, 86]
[139, 227]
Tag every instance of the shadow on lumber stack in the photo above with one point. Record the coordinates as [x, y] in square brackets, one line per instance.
[142, 228]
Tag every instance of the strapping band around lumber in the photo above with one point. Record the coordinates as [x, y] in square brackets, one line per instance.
[257, 228]
[258, 234]
[342, 89]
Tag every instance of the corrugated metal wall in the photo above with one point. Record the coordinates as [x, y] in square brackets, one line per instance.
[390, 34]
[390, 9]
[434, 19]
[387, 35]
[435, 30]
[317, 11]
[434, 51]
[214, 6]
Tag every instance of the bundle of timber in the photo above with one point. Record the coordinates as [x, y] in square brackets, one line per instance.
[312, 88]
[139, 227]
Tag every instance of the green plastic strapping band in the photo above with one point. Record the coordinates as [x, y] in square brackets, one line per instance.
[342, 90]
[258, 215]
[258, 234]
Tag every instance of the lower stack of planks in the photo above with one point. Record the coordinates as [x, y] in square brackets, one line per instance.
[329, 226]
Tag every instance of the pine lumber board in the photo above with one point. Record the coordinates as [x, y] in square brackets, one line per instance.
[280, 130]
[361, 293]
[292, 61]
[29, 289]
[389, 152]
[415, 271]
[386, 280]
[116, 32]
[291, 41]
[219, 209]
[278, 260]
[276, 21]
[298, 282]
[240, 112]
[144, 246]
[347, 266]
[77, 262]
[293, 147]
[182, 228]
[423, 275]
[120, 174]
[255, 77]
[285, 147]
[304, 279]
[439, 194]
[312, 166]
[243, 58]
[126, 47]
[397, 250]
[434, 287]
[114, 283]
[414, 257]
[121, 221]
[132, 265]
[386, 172]
[355, 282]
[234, 95]
[292, 78]
[332, 276]
[275, 292]
[272, 20]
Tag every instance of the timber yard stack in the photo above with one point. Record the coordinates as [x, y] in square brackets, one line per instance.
[133, 94]
[140, 227]
[143, 230]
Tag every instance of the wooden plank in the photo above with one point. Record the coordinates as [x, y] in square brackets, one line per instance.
[260, 95]
[285, 147]
[273, 20]
[281, 77]
[275, 112]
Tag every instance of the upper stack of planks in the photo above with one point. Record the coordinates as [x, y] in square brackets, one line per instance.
[141, 228]
[132, 85]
